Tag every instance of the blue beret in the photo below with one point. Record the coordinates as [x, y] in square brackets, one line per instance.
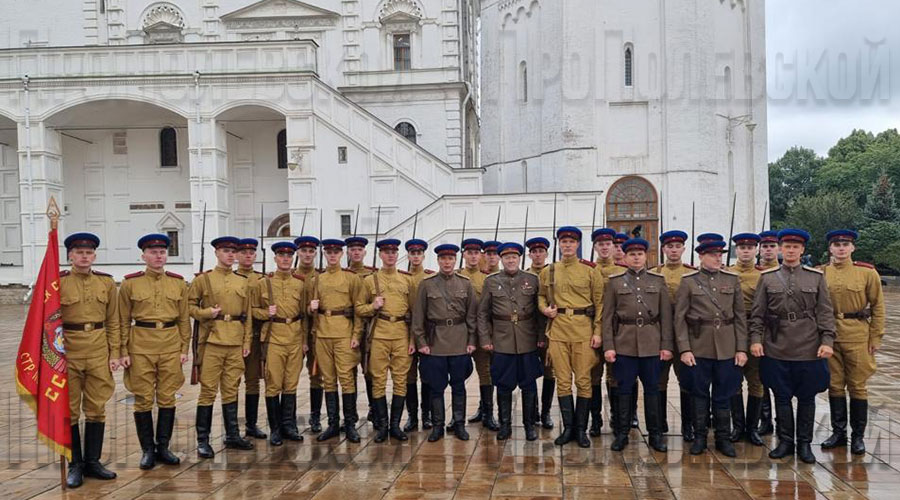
[332, 243]
[710, 237]
[388, 243]
[356, 241]
[603, 234]
[416, 244]
[710, 246]
[793, 235]
[768, 237]
[842, 235]
[248, 244]
[746, 239]
[538, 242]
[154, 241]
[82, 240]
[306, 241]
[621, 238]
[511, 247]
[446, 249]
[225, 242]
[491, 246]
[472, 243]
[569, 232]
[284, 247]
[674, 235]
[635, 244]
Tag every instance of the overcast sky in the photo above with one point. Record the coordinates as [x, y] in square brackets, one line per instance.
[833, 65]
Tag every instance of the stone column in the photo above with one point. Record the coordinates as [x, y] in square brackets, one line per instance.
[302, 178]
[209, 184]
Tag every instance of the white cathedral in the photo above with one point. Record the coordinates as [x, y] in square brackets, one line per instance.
[271, 116]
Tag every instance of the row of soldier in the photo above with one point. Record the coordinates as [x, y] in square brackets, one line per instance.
[791, 328]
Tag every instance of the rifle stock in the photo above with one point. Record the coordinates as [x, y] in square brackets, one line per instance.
[195, 331]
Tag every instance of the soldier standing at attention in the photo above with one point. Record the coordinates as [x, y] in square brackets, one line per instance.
[537, 251]
[605, 246]
[619, 254]
[388, 295]
[472, 254]
[156, 336]
[91, 332]
[792, 329]
[334, 294]
[306, 271]
[246, 256]
[415, 251]
[768, 258]
[356, 251]
[637, 325]
[571, 296]
[673, 270]
[711, 331]
[748, 273]
[490, 259]
[220, 300]
[855, 289]
[508, 327]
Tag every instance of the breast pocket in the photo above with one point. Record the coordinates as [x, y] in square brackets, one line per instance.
[173, 295]
[69, 298]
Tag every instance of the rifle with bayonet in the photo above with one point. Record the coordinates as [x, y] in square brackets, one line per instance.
[593, 226]
[462, 248]
[553, 229]
[731, 231]
[262, 237]
[763, 228]
[691, 245]
[662, 228]
[551, 285]
[302, 228]
[525, 237]
[355, 226]
[370, 333]
[415, 226]
[315, 365]
[195, 333]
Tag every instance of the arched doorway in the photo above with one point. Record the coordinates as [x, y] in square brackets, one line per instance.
[280, 227]
[632, 205]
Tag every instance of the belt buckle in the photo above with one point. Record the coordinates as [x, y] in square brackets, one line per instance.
[449, 322]
[639, 322]
[792, 316]
[88, 327]
[717, 323]
[392, 319]
[570, 312]
[839, 315]
[328, 312]
[288, 321]
[514, 317]
[227, 317]
[159, 325]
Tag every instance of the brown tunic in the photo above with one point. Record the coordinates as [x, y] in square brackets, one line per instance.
[508, 313]
[444, 315]
[709, 315]
[637, 314]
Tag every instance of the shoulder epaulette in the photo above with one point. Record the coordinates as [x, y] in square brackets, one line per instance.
[259, 272]
[654, 273]
[617, 275]
[429, 271]
[64, 273]
[401, 271]
[685, 275]
[435, 274]
[134, 275]
[461, 276]
[759, 268]
[587, 262]
[864, 264]
[100, 273]
[489, 275]
[813, 269]
[769, 270]
[270, 275]
[174, 275]
[239, 274]
[370, 268]
[729, 272]
[688, 266]
[299, 277]
[202, 272]
[531, 273]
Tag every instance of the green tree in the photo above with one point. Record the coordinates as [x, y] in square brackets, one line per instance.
[791, 177]
[821, 213]
[879, 244]
[880, 205]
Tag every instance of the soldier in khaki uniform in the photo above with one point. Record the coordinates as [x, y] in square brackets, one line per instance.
[472, 255]
[490, 258]
[156, 335]
[388, 296]
[619, 254]
[307, 246]
[538, 252]
[91, 332]
[855, 289]
[356, 253]
[768, 258]
[571, 296]
[333, 296]
[508, 327]
[415, 251]
[792, 329]
[246, 256]
[637, 326]
[220, 300]
[711, 332]
[278, 305]
[444, 325]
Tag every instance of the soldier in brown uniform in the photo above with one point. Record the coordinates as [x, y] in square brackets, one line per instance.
[278, 305]
[334, 294]
[637, 326]
[156, 335]
[306, 271]
[415, 251]
[246, 256]
[91, 332]
[792, 329]
[711, 332]
[538, 252]
[220, 300]
[472, 254]
[571, 296]
[858, 301]
[768, 258]
[508, 327]
[444, 326]
[356, 253]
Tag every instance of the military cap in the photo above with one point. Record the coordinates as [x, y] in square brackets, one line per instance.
[569, 232]
[842, 235]
[510, 247]
[248, 244]
[416, 244]
[306, 241]
[472, 244]
[154, 240]
[225, 242]
[490, 246]
[793, 236]
[673, 236]
[538, 242]
[82, 240]
[388, 244]
[635, 244]
[768, 237]
[356, 241]
[621, 238]
[333, 243]
[446, 249]
[746, 239]
[284, 247]
[710, 237]
[603, 234]
[710, 246]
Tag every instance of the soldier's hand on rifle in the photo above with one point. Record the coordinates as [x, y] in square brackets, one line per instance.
[665, 355]
[184, 358]
[273, 310]
[425, 350]
[488, 347]
[378, 303]
[314, 305]
[214, 311]
[550, 312]
[245, 352]
[825, 351]
[757, 350]
[354, 344]
[125, 361]
[470, 349]
[610, 356]
[595, 342]
[542, 344]
[113, 364]
[687, 359]
[740, 358]
[411, 350]
[305, 348]
[873, 349]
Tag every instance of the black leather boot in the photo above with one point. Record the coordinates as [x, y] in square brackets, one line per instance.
[203, 423]
[458, 404]
[315, 409]
[784, 413]
[701, 432]
[332, 409]
[397, 404]
[233, 437]
[437, 417]
[664, 411]
[724, 444]
[838, 406]
[288, 426]
[567, 413]
[687, 416]
[370, 397]
[426, 406]
[806, 419]
[582, 407]
[634, 401]
[487, 408]
[412, 408]
[859, 417]
[622, 408]
[529, 406]
[273, 414]
[547, 388]
[738, 420]
[596, 410]
[752, 436]
[381, 419]
[165, 423]
[75, 474]
[251, 415]
[612, 394]
[504, 402]
[350, 417]
[143, 422]
[652, 419]
[93, 448]
[765, 414]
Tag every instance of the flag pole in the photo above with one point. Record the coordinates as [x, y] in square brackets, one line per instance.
[53, 215]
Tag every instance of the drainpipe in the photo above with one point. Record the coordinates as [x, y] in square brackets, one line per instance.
[30, 168]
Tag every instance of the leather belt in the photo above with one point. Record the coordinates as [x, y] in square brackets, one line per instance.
[449, 322]
[717, 322]
[793, 316]
[392, 319]
[514, 318]
[83, 327]
[639, 322]
[346, 312]
[286, 321]
[159, 325]
[575, 312]
[865, 314]
[229, 318]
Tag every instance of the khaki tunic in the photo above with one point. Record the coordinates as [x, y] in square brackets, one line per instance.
[673, 272]
[508, 313]
[252, 370]
[390, 334]
[542, 327]
[446, 325]
[417, 274]
[283, 339]
[608, 267]
[481, 357]
[632, 298]
[749, 276]
[709, 315]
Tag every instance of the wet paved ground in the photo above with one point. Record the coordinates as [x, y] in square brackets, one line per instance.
[479, 468]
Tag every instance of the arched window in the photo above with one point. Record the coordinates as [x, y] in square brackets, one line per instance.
[282, 148]
[632, 208]
[523, 75]
[407, 130]
[629, 66]
[168, 147]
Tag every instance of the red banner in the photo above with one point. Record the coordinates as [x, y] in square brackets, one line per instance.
[41, 377]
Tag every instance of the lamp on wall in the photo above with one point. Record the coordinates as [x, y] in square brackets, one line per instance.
[295, 158]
